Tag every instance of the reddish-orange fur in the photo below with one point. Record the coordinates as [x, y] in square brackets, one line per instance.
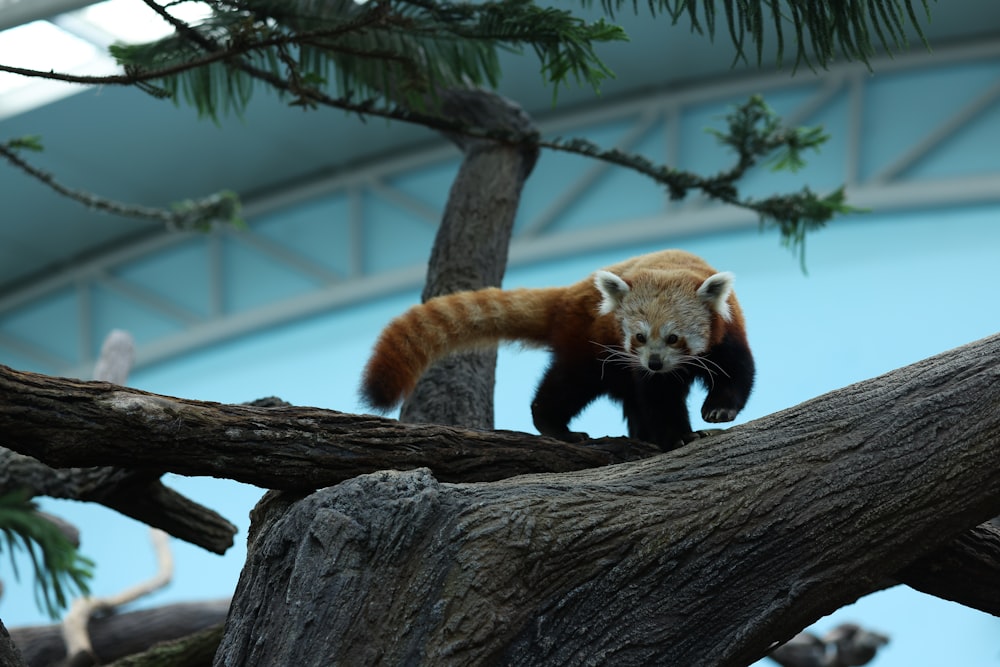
[451, 323]
[564, 319]
[641, 332]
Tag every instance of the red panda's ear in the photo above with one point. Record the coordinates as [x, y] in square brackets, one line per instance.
[715, 291]
[613, 290]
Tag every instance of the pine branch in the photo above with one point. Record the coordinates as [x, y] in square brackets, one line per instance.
[755, 133]
[198, 214]
[396, 49]
[754, 130]
[823, 31]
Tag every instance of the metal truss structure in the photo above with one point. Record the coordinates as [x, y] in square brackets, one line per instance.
[922, 132]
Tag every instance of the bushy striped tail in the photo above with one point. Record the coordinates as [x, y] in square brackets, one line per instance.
[446, 324]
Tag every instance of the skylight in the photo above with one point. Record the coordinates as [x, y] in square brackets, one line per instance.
[77, 43]
[132, 21]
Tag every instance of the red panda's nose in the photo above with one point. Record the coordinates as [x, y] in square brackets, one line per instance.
[655, 363]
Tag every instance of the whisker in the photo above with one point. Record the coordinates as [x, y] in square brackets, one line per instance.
[694, 361]
[710, 367]
[704, 362]
[617, 355]
[700, 363]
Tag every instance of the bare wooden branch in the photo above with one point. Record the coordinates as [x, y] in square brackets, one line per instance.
[76, 623]
[122, 633]
[966, 570]
[138, 494]
[194, 650]
[65, 422]
[878, 474]
[117, 356]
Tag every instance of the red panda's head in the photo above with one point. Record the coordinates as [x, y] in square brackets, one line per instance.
[666, 317]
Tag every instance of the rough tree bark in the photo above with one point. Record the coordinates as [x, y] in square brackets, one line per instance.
[138, 494]
[10, 656]
[470, 250]
[748, 535]
[65, 423]
[704, 556]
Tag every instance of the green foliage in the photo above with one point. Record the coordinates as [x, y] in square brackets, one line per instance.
[822, 30]
[29, 142]
[58, 566]
[388, 58]
[200, 214]
[756, 134]
[191, 74]
[400, 51]
[563, 43]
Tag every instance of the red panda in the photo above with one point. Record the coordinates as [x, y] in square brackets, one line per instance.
[640, 331]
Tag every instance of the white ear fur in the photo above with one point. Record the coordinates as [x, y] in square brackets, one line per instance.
[715, 291]
[612, 288]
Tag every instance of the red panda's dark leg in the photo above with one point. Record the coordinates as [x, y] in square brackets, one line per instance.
[656, 410]
[567, 388]
[728, 374]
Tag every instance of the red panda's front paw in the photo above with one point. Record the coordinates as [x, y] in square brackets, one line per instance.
[716, 415]
[563, 434]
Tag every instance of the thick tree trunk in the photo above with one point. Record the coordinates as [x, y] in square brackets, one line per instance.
[702, 556]
[470, 251]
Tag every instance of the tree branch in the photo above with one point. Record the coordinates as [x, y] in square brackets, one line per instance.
[75, 625]
[123, 633]
[966, 570]
[65, 422]
[847, 645]
[135, 493]
[754, 132]
[932, 410]
[138, 494]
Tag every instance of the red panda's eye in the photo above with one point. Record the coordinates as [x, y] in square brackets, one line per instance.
[672, 339]
[640, 338]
